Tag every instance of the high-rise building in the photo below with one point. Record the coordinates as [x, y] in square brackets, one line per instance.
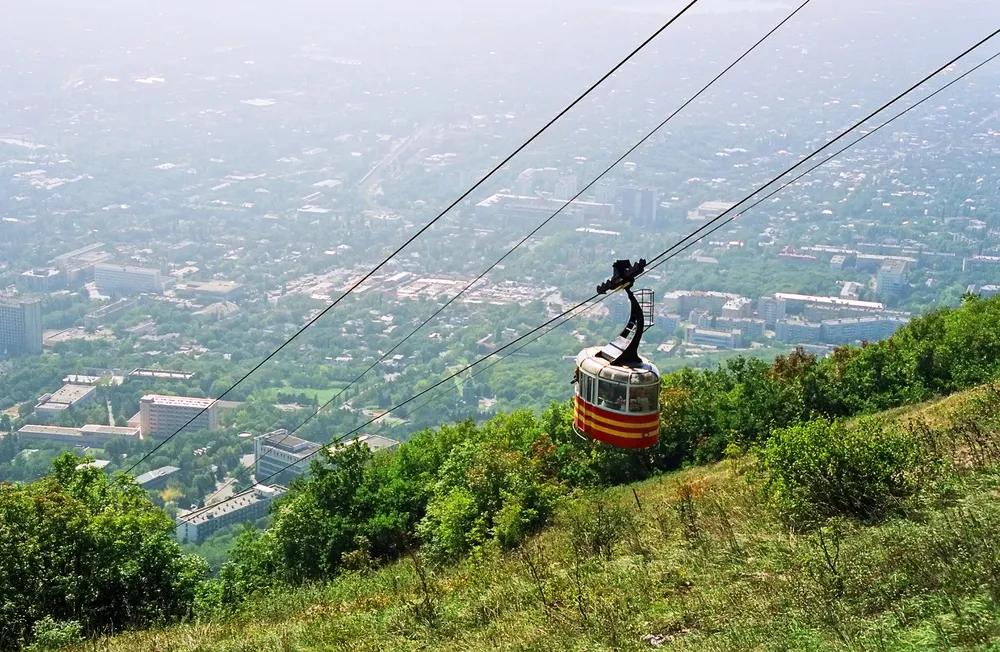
[771, 309]
[20, 327]
[161, 416]
[638, 204]
[565, 187]
[891, 278]
[120, 280]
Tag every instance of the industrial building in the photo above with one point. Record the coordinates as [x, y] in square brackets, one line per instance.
[50, 406]
[709, 210]
[210, 290]
[515, 209]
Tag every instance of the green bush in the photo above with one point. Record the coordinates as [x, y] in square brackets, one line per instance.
[51, 634]
[822, 469]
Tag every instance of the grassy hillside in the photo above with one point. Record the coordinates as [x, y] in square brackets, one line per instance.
[699, 559]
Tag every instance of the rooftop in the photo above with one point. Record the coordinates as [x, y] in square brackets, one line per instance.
[111, 267]
[70, 394]
[830, 301]
[376, 442]
[30, 429]
[165, 374]
[149, 476]
[178, 401]
[121, 431]
[236, 503]
[213, 287]
[282, 440]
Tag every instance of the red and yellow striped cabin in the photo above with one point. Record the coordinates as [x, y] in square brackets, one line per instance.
[615, 404]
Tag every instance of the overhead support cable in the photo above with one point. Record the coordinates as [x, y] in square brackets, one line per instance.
[548, 219]
[685, 242]
[406, 243]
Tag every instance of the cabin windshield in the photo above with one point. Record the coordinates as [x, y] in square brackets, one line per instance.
[611, 395]
[642, 398]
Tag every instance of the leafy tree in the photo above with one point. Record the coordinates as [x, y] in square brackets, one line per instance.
[82, 547]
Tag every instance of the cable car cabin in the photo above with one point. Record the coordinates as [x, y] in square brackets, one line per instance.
[614, 404]
[617, 390]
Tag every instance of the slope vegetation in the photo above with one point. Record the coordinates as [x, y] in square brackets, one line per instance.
[882, 532]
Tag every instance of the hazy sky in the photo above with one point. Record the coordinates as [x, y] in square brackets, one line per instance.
[146, 79]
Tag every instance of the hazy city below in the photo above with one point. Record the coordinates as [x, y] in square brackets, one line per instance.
[183, 188]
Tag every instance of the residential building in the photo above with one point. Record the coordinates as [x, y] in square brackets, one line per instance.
[157, 478]
[752, 329]
[738, 308]
[794, 303]
[988, 291]
[891, 278]
[668, 323]
[770, 309]
[20, 327]
[161, 416]
[119, 280]
[700, 318]
[78, 265]
[249, 505]
[986, 268]
[684, 301]
[107, 313]
[374, 443]
[566, 186]
[719, 339]
[796, 331]
[869, 329]
[160, 374]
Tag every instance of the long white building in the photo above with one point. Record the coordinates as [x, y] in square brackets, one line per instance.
[124, 279]
[195, 525]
